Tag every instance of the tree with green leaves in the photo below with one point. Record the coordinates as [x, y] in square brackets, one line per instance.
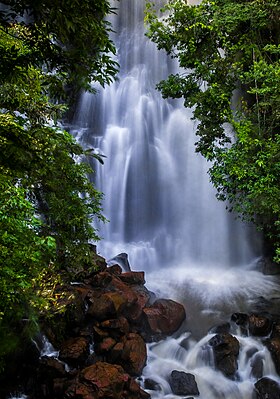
[47, 203]
[228, 52]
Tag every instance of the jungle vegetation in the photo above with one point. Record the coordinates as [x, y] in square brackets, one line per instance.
[228, 53]
[49, 51]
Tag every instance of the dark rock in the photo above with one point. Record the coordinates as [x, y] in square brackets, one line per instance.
[122, 260]
[134, 354]
[101, 280]
[133, 278]
[74, 351]
[268, 267]
[51, 367]
[257, 366]
[182, 383]
[105, 346]
[116, 270]
[273, 345]
[259, 325]
[241, 319]
[226, 349]
[267, 388]
[101, 307]
[117, 327]
[163, 318]
[107, 305]
[151, 385]
[220, 329]
[99, 381]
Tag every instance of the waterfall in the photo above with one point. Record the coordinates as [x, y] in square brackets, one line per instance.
[158, 199]
[162, 209]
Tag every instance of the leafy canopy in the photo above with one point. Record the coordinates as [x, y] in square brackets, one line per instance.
[229, 54]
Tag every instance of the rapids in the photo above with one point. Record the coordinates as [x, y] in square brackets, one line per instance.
[163, 212]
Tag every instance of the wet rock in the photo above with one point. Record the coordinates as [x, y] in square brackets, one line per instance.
[134, 391]
[241, 319]
[74, 351]
[122, 260]
[182, 383]
[116, 327]
[99, 381]
[133, 278]
[267, 388]
[273, 346]
[109, 304]
[259, 325]
[116, 270]
[257, 366]
[163, 318]
[105, 346]
[268, 267]
[151, 385]
[226, 350]
[220, 329]
[51, 367]
[101, 308]
[101, 280]
[134, 354]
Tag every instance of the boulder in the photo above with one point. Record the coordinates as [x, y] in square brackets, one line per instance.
[182, 383]
[133, 278]
[259, 325]
[226, 350]
[116, 327]
[105, 346]
[74, 351]
[109, 304]
[116, 270]
[134, 354]
[51, 367]
[99, 381]
[266, 388]
[151, 385]
[121, 260]
[163, 318]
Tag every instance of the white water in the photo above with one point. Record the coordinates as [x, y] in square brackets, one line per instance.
[164, 214]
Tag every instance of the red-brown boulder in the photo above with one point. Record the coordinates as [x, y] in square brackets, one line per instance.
[99, 381]
[134, 354]
[163, 318]
[74, 351]
[133, 278]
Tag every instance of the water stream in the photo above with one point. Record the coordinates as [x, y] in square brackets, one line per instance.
[164, 214]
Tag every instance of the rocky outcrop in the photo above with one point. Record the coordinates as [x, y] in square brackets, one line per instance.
[225, 349]
[109, 315]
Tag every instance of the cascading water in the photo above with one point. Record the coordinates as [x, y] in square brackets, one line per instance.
[163, 211]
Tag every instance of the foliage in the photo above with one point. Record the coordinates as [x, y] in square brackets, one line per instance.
[229, 53]
[47, 202]
[70, 38]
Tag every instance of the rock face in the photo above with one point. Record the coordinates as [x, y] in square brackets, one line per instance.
[267, 388]
[226, 349]
[182, 383]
